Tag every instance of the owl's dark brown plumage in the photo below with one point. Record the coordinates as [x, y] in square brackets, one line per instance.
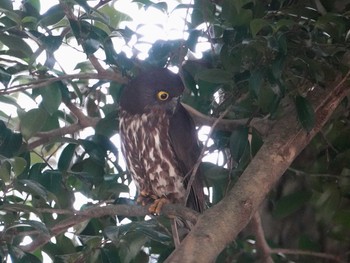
[159, 140]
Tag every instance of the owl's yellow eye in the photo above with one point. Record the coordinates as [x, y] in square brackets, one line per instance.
[162, 95]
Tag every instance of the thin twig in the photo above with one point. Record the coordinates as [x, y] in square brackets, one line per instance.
[263, 248]
[299, 252]
[262, 125]
[196, 166]
[299, 172]
[107, 75]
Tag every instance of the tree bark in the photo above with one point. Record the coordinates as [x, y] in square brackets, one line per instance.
[219, 225]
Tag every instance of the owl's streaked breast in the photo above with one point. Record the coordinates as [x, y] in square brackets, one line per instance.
[149, 154]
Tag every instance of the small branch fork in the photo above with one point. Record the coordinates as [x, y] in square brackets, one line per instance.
[265, 252]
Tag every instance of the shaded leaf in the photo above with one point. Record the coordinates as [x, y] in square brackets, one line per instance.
[16, 43]
[66, 157]
[218, 76]
[52, 16]
[256, 25]
[32, 187]
[238, 142]
[291, 203]
[306, 114]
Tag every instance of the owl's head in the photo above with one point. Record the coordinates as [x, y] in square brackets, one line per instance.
[158, 88]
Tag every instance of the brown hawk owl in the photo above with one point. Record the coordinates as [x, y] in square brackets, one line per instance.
[159, 140]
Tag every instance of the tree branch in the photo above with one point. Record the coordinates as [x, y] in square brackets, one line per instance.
[169, 210]
[83, 122]
[262, 125]
[264, 250]
[219, 225]
[40, 83]
[300, 252]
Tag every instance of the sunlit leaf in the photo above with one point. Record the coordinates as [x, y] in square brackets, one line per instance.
[5, 171]
[33, 188]
[32, 122]
[66, 157]
[52, 97]
[18, 165]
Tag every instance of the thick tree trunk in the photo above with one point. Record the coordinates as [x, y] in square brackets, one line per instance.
[219, 225]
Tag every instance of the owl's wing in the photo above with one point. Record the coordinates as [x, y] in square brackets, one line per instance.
[183, 136]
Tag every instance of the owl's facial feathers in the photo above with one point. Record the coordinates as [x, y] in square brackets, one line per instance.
[156, 89]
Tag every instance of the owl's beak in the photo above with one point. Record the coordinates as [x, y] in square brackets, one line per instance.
[172, 104]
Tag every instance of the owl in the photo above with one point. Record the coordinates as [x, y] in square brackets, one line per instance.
[159, 141]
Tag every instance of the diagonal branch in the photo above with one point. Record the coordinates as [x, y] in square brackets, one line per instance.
[219, 225]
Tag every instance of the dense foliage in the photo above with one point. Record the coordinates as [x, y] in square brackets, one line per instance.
[262, 57]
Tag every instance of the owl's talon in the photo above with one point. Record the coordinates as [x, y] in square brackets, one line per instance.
[157, 205]
[146, 198]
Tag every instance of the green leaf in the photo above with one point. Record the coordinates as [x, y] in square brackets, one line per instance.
[52, 16]
[91, 45]
[5, 171]
[11, 15]
[256, 81]
[9, 100]
[18, 165]
[328, 201]
[306, 114]
[266, 98]
[5, 77]
[35, 4]
[19, 256]
[306, 243]
[131, 246]
[52, 97]
[218, 76]
[342, 217]
[32, 122]
[6, 4]
[114, 17]
[16, 43]
[66, 157]
[111, 189]
[32, 187]
[238, 142]
[256, 25]
[291, 203]
[10, 142]
[154, 234]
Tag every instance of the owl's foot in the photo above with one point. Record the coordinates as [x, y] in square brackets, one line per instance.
[145, 198]
[157, 205]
